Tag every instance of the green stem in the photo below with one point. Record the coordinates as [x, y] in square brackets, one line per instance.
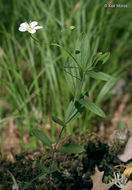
[79, 89]
[53, 153]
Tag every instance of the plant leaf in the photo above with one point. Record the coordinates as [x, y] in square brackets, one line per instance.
[127, 154]
[72, 74]
[69, 111]
[91, 106]
[127, 172]
[46, 170]
[42, 137]
[99, 75]
[97, 181]
[83, 47]
[71, 148]
[96, 58]
[56, 120]
[73, 111]
[105, 89]
[100, 57]
[105, 57]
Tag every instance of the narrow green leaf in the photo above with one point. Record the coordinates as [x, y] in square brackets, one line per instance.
[46, 170]
[56, 120]
[99, 75]
[105, 57]
[71, 148]
[96, 58]
[91, 106]
[69, 111]
[72, 74]
[83, 47]
[73, 111]
[100, 57]
[42, 137]
[105, 89]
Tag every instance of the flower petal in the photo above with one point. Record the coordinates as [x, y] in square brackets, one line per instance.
[32, 31]
[22, 29]
[33, 24]
[24, 25]
[38, 27]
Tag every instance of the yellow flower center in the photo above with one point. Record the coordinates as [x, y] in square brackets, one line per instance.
[29, 28]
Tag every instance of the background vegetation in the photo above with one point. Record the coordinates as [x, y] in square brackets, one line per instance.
[33, 86]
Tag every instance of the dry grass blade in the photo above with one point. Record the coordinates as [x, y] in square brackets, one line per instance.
[15, 185]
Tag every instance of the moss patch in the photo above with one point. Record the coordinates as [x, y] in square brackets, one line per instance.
[73, 171]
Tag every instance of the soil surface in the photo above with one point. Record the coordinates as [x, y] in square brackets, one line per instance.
[71, 171]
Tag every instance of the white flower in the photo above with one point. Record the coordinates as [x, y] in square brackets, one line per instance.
[31, 27]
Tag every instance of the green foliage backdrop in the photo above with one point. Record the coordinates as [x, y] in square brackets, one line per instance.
[33, 81]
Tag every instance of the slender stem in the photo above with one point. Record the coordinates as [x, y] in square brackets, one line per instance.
[54, 149]
[78, 92]
[79, 89]
[69, 53]
[53, 153]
